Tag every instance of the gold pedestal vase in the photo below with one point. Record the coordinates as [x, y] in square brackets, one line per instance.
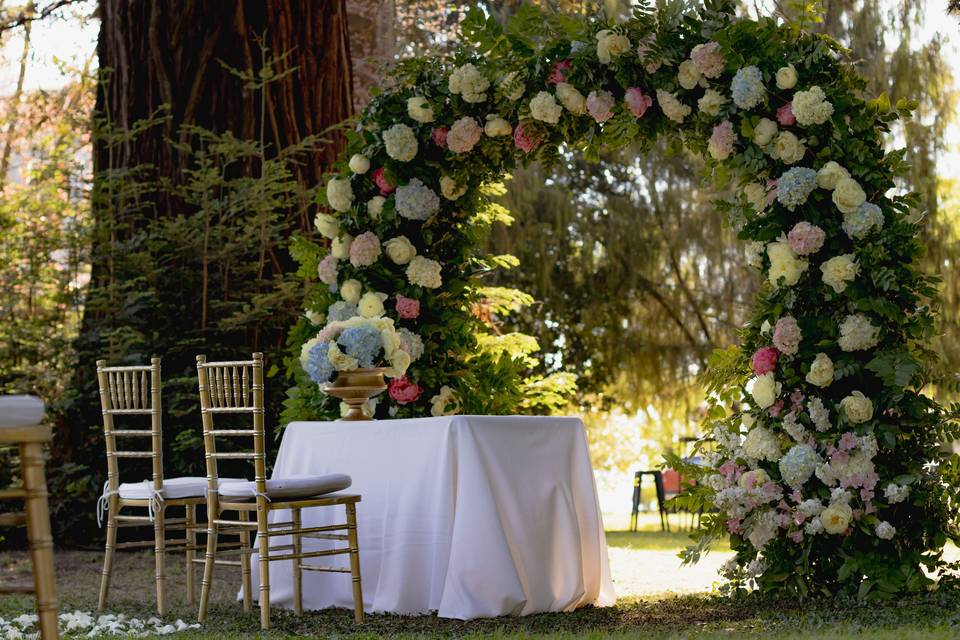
[356, 388]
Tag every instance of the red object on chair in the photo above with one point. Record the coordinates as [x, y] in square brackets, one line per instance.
[671, 481]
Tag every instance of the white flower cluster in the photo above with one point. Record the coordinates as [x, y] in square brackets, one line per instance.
[810, 107]
[610, 45]
[819, 414]
[793, 427]
[544, 108]
[416, 201]
[467, 81]
[839, 271]
[895, 493]
[762, 444]
[340, 194]
[798, 465]
[671, 106]
[88, 624]
[784, 264]
[858, 333]
[424, 272]
[400, 142]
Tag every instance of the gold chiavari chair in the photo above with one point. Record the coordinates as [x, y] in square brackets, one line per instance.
[19, 418]
[237, 388]
[135, 391]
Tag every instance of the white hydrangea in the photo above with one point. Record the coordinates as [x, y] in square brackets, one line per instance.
[763, 529]
[858, 224]
[416, 201]
[762, 444]
[839, 271]
[467, 81]
[811, 507]
[340, 194]
[895, 493]
[400, 142]
[424, 272]
[793, 427]
[798, 465]
[810, 107]
[819, 414]
[814, 527]
[858, 333]
[544, 107]
[671, 106]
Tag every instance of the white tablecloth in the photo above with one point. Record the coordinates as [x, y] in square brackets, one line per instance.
[469, 516]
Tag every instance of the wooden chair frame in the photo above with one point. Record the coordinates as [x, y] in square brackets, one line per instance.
[124, 391]
[237, 387]
[36, 517]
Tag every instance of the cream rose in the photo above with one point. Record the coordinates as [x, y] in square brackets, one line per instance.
[836, 518]
[610, 45]
[711, 102]
[400, 250]
[350, 290]
[688, 75]
[784, 264]
[419, 109]
[444, 403]
[764, 390]
[839, 271]
[375, 206]
[359, 163]
[848, 195]
[340, 247]
[450, 189]
[786, 77]
[788, 148]
[327, 225]
[497, 126]
[371, 304]
[764, 132]
[340, 360]
[830, 174]
[821, 371]
[544, 107]
[571, 99]
[857, 407]
[756, 195]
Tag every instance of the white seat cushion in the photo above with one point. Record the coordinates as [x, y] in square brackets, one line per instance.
[20, 411]
[173, 488]
[288, 488]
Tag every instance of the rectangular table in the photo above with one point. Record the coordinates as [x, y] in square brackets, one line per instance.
[468, 516]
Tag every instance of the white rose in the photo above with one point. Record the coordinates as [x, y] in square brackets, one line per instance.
[340, 360]
[327, 225]
[444, 403]
[340, 247]
[753, 479]
[399, 363]
[371, 304]
[497, 126]
[785, 264]
[419, 109]
[571, 99]
[886, 531]
[764, 390]
[544, 107]
[340, 194]
[839, 271]
[450, 189]
[711, 102]
[788, 148]
[400, 142]
[821, 371]
[848, 195]
[857, 407]
[424, 272]
[756, 195]
[359, 163]
[350, 291]
[375, 206]
[836, 518]
[688, 75]
[786, 77]
[764, 132]
[830, 174]
[610, 45]
[400, 250]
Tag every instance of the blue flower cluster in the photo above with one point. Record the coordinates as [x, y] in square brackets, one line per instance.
[363, 343]
[318, 366]
[861, 222]
[341, 310]
[747, 88]
[795, 186]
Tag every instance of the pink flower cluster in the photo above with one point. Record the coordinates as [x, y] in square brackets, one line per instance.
[600, 105]
[722, 140]
[408, 308]
[365, 249]
[637, 101]
[765, 360]
[805, 238]
[327, 270]
[785, 115]
[787, 336]
[558, 73]
[525, 138]
[708, 59]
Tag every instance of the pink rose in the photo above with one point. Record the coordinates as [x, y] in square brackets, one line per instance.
[559, 71]
[380, 179]
[408, 308]
[600, 105]
[525, 138]
[765, 360]
[637, 102]
[805, 238]
[785, 115]
[403, 391]
[439, 136]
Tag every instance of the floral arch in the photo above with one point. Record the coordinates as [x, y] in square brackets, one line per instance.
[826, 473]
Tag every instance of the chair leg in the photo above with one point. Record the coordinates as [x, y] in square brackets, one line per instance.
[355, 562]
[112, 511]
[159, 531]
[191, 535]
[209, 560]
[264, 542]
[297, 572]
[245, 563]
[38, 533]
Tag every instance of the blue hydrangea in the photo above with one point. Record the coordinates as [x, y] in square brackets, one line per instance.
[861, 222]
[412, 343]
[747, 88]
[416, 201]
[318, 366]
[341, 310]
[795, 186]
[363, 343]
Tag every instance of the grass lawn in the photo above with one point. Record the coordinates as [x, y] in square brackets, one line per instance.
[649, 616]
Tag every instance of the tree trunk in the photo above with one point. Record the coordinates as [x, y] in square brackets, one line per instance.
[373, 43]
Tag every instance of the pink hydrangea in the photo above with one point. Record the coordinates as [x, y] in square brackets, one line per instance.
[805, 238]
[526, 138]
[848, 441]
[408, 308]
[722, 141]
[365, 249]
[403, 391]
[380, 179]
[765, 360]
[327, 270]
[558, 73]
[637, 101]
[786, 335]
[600, 105]
[439, 136]
[708, 59]
[785, 115]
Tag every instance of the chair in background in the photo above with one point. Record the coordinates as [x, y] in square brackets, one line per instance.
[237, 388]
[661, 498]
[135, 391]
[19, 426]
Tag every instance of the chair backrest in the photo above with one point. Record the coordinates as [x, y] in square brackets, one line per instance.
[232, 387]
[130, 391]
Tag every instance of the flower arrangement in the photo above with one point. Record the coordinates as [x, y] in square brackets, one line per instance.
[358, 343]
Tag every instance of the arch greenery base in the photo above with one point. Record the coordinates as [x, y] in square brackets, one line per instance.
[826, 474]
